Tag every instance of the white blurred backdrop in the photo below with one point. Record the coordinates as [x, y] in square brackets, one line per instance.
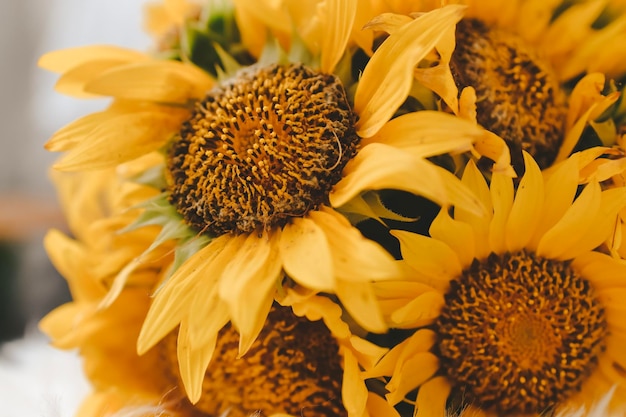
[34, 379]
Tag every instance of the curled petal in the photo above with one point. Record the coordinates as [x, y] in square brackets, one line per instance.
[388, 76]
[306, 254]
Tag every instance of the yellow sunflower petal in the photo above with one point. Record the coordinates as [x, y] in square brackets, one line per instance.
[378, 166]
[171, 302]
[428, 133]
[414, 372]
[459, 236]
[433, 259]
[615, 346]
[157, 20]
[209, 315]
[61, 324]
[70, 135]
[193, 363]
[363, 38]
[573, 225]
[421, 341]
[420, 311]
[159, 81]
[72, 82]
[178, 10]
[439, 78]
[208, 312]
[143, 132]
[586, 92]
[252, 31]
[569, 30]
[497, 12]
[614, 376]
[355, 258]
[573, 135]
[613, 301]
[377, 406]
[306, 254]
[474, 180]
[68, 257]
[432, 397]
[534, 18]
[247, 285]
[502, 199]
[601, 270]
[271, 12]
[560, 190]
[119, 282]
[606, 58]
[340, 16]
[368, 353]
[359, 300]
[604, 224]
[353, 389]
[467, 104]
[527, 209]
[387, 22]
[388, 76]
[585, 58]
[65, 59]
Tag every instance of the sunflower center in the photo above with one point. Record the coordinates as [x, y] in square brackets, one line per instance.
[265, 146]
[292, 368]
[518, 96]
[520, 333]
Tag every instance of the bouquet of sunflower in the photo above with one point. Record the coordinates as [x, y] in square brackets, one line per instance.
[349, 208]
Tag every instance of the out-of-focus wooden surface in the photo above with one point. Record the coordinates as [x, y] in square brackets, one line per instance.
[23, 216]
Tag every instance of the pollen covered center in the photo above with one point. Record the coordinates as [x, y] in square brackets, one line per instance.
[294, 368]
[518, 95]
[520, 333]
[265, 146]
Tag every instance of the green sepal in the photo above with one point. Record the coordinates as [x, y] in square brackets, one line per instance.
[343, 70]
[229, 64]
[420, 98]
[299, 53]
[369, 205]
[272, 52]
[185, 250]
[201, 41]
[188, 248]
[606, 131]
[198, 47]
[151, 177]
[159, 212]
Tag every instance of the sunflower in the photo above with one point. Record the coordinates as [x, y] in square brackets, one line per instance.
[98, 204]
[304, 356]
[514, 313]
[546, 76]
[255, 162]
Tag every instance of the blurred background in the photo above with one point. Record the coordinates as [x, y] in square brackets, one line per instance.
[30, 111]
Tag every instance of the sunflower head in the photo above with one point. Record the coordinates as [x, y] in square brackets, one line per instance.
[534, 322]
[525, 322]
[518, 95]
[237, 166]
[294, 365]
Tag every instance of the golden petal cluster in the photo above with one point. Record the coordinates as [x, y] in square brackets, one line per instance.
[542, 217]
[167, 305]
